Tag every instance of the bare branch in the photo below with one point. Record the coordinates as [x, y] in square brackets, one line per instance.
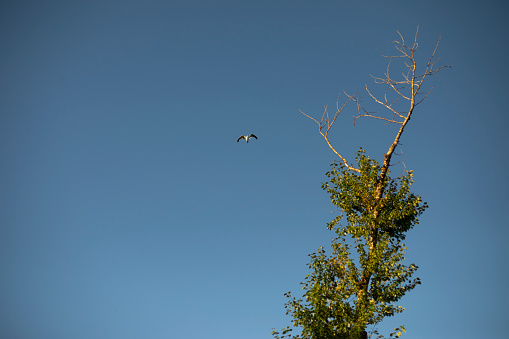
[425, 96]
[385, 104]
[409, 88]
[328, 124]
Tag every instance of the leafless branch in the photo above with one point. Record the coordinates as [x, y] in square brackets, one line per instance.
[408, 88]
[326, 123]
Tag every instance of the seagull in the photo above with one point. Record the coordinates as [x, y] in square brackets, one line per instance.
[247, 137]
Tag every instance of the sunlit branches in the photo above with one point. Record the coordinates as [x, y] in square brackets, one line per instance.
[325, 124]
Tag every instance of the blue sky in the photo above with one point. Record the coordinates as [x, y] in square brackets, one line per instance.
[128, 210]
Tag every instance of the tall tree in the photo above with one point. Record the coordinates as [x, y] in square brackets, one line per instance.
[360, 283]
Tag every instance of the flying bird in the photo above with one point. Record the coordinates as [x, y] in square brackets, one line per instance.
[247, 137]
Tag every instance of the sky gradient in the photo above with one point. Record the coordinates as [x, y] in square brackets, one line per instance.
[128, 209]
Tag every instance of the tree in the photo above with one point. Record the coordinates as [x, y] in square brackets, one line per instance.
[348, 291]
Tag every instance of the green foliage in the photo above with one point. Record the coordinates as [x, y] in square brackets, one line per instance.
[361, 282]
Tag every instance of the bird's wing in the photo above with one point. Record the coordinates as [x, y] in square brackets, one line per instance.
[254, 136]
[241, 137]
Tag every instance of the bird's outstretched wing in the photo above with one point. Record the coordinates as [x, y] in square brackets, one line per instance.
[254, 136]
[241, 137]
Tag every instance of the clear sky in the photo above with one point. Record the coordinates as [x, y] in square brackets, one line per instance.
[128, 209]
